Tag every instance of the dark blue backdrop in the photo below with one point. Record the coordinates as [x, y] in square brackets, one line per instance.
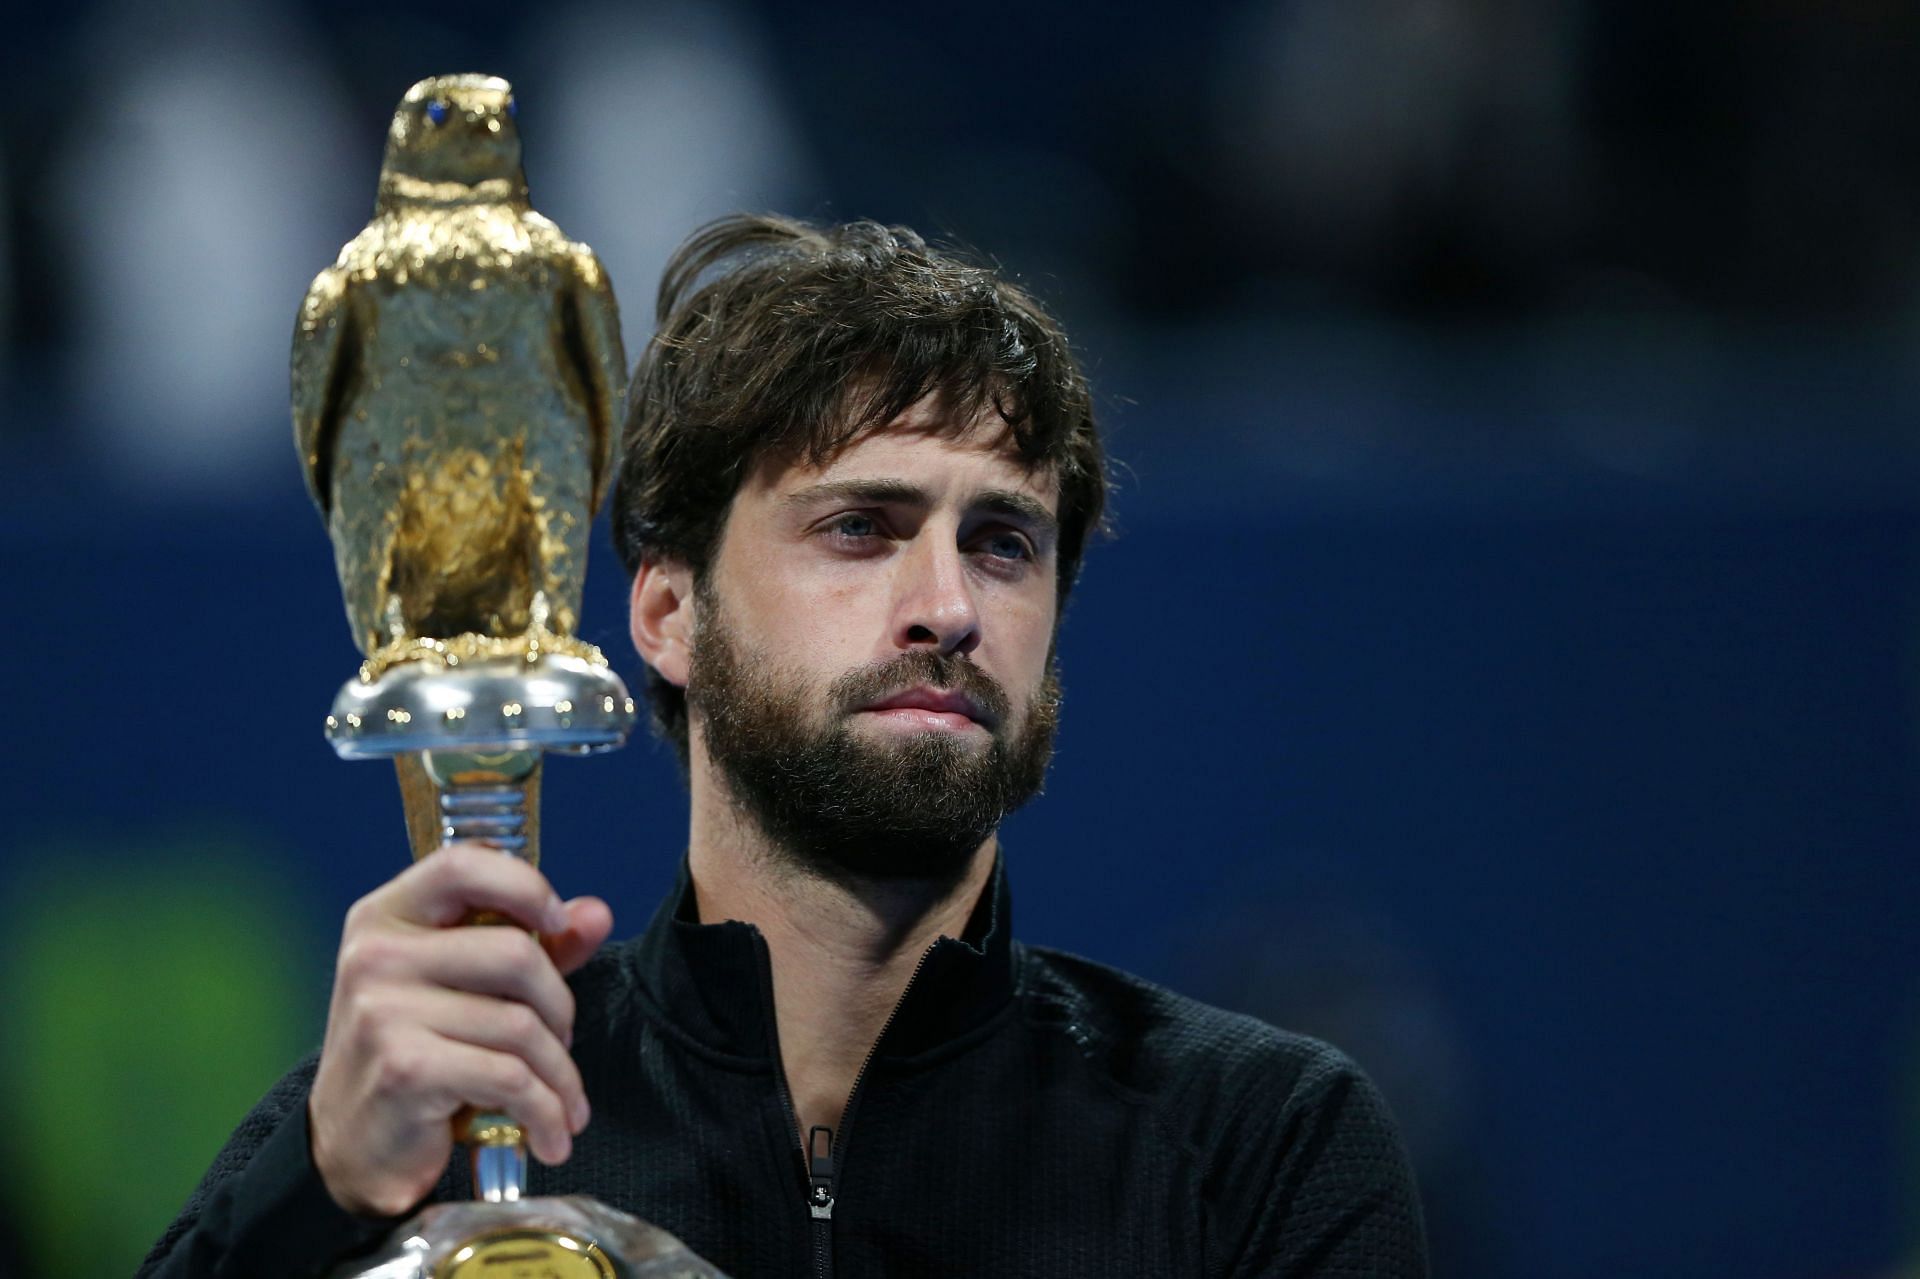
[1584, 822]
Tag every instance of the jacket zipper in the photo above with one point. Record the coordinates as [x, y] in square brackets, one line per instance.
[820, 1197]
[821, 1154]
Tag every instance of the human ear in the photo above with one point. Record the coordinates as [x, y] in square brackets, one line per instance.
[660, 618]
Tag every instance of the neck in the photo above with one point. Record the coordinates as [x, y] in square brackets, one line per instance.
[401, 190]
[843, 950]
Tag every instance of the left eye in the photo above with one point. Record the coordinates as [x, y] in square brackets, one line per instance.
[1006, 546]
[855, 526]
[513, 108]
[437, 111]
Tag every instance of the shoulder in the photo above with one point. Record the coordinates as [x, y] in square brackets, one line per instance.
[1156, 1044]
[264, 1164]
[586, 266]
[1299, 1159]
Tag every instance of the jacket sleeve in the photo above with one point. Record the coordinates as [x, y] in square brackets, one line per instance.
[262, 1208]
[1315, 1181]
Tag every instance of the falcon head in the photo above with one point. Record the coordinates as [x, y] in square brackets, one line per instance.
[450, 132]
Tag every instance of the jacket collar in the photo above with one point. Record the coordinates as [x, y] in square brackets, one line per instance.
[714, 983]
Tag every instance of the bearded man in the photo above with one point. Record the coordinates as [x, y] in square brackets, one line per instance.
[859, 477]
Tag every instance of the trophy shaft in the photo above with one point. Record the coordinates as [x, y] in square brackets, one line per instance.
[490, 797]
[499, 1147]
[499, 1171]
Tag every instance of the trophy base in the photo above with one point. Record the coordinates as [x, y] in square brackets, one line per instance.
[553, 1238]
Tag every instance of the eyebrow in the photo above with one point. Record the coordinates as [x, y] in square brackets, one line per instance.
[1018, 506]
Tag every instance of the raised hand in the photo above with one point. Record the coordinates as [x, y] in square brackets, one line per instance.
[429, 1016]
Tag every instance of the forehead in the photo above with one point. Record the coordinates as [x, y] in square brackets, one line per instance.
[922, 448]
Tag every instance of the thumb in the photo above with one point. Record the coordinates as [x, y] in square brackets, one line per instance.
[589, 921]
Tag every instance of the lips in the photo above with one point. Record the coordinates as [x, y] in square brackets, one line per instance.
[943, 700]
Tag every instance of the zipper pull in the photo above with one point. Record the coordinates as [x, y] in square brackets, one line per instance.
[820, 1172]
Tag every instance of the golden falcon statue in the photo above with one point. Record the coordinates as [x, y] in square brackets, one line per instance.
[457, 377]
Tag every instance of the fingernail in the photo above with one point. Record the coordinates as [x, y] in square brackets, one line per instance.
[555, 920]
[581, 1113]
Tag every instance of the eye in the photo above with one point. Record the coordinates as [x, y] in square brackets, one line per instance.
[853, 526]
[513, 108]
[437, 111]
[1006, 546]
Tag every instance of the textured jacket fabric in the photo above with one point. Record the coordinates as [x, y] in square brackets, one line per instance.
[1025, 1112]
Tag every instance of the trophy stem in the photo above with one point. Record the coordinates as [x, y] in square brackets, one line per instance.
[499, 1158]
[492, 797]
[496, 814]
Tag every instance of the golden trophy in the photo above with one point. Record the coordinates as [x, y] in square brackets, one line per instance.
[457, 377]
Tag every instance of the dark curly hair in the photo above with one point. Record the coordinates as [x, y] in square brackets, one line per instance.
[779, 336]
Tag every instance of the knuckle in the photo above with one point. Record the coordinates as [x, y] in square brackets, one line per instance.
[529, 954]
[358, 913]
[492, 950]
[515, 952]
[516, 1079]
[362, 1036]
[399, 1070]
[362, 1009]
[365, 952]
[542, 1107]
[444, 867]
[520, 1023]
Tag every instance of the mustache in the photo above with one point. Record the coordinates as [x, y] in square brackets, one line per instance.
[870, 684]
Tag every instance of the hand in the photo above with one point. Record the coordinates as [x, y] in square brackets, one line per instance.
[428, 1017]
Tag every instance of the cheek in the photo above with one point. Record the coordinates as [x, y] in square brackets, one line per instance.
[1027, 629]
[817, 623]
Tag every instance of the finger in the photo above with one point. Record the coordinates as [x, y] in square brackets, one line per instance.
[464, 1074]
[504, 1026]
[502, 962]
[589, 922]
[448, 885]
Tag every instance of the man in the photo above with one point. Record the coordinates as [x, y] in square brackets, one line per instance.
[859, 477]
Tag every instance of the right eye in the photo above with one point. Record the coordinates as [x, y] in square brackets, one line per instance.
[437, 111]
[854, 526]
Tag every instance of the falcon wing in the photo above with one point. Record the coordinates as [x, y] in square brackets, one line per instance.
[590, 334]
[323, 359]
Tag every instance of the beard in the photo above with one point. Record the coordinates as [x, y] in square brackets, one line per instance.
[842, 806]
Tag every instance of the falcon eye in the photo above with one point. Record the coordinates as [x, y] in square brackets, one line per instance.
[513, 108]
[437, 111]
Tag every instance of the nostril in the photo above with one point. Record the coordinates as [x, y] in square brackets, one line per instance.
[921, 635]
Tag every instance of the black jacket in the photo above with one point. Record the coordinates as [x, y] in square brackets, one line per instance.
[1025, 1112]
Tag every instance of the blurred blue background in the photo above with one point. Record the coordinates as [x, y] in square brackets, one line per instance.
[1505, 669]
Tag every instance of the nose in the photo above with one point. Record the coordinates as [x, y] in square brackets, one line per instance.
[934, 606]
